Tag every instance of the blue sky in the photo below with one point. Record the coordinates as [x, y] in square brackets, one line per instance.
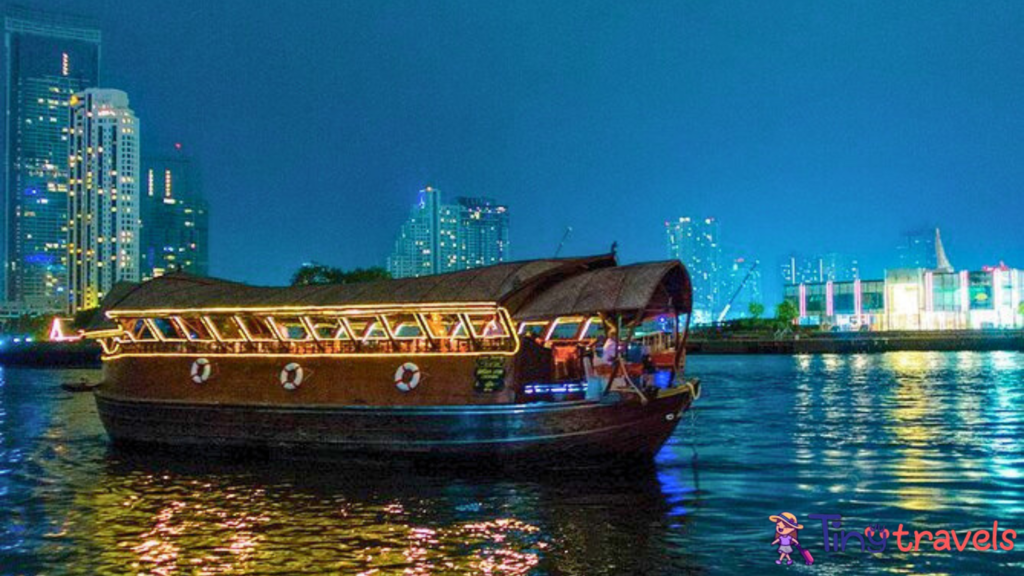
[808, 126]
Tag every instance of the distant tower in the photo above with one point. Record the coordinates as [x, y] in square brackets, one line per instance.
[941, 262]
[695, 242]
[440, 237]
[482, 232]
[175, 216]
[104, 207]
[48, 58]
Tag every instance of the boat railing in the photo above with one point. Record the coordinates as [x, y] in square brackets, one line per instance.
[319, 347]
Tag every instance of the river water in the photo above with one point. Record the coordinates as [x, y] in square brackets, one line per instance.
[930, 440]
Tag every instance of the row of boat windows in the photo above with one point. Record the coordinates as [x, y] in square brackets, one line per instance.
[295, 328]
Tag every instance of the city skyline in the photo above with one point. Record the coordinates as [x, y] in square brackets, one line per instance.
[615, 150]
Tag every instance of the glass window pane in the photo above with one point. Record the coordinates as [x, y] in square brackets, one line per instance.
[445, 325]
[290, 327]
[194, 328]
[257, 328]
[487, 325]
[168, 329]
[226, 327]
[404, 326]
[329, 328]
[367, 328]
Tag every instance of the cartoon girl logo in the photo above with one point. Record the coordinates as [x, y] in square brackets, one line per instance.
[786, 531]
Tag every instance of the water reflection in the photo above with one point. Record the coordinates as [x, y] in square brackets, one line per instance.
[932, 440]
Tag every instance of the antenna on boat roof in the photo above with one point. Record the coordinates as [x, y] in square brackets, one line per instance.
[615, 249]
[568, 232]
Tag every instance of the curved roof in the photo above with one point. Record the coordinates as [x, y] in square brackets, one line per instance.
[651, 287]
[497, 284]
[529, 289]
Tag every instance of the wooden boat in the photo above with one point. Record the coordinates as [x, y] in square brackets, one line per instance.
[82, 385]
[530, 361]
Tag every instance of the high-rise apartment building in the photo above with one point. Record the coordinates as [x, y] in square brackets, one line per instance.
[695, 242]
[175, 216]
[48, 59]
[104, 207]
[482, 232]
[439, 237]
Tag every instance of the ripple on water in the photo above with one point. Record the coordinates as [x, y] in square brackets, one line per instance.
[931, 440]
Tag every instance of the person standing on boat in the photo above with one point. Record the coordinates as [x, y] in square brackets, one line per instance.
[610, 351]
[786, 528]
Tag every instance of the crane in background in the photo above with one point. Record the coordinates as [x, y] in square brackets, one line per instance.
[739, 288]
[568, 232]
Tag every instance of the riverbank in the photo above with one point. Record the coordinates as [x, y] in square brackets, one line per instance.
[50, 354]
[857, 342]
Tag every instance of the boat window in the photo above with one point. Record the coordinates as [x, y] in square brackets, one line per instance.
[138, 329]
[443, 325]
[404, 326]
[289, 327]
[487, 325]
[595, 329]
[535, 329]
[565, 329]
[194, 328]
[226, 327]
[256, 328]
[168, 329]
[328, 328]
[366, 328]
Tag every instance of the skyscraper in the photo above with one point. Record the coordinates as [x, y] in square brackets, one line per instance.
[482, 232]
[439, 237]
[49, 58]
[104, 205]
[695, 242]
[917, 249]
[175, 216]
[833, 266]
[923, 249]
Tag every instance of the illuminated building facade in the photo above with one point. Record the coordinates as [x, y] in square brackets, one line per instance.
[103, 243]
[482, 232]
[441, 237]
[832, 266]
[915, 299]
[695, 242]
[175, 217]
[48, 59]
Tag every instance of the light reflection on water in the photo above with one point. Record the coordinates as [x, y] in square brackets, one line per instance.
[932, 440]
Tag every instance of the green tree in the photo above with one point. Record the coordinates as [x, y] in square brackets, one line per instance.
[755, 309]
[787, 312]
[314, 273]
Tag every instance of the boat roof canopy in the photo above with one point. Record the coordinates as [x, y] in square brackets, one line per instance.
[528, 289]
[640, 289]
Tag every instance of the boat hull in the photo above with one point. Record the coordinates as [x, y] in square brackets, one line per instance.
[620, 428]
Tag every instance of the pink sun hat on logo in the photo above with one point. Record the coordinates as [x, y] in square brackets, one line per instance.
[787, 519]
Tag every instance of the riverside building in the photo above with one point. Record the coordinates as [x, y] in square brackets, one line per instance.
[939, 298]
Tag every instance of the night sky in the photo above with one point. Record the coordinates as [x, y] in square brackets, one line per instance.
[808, 126]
